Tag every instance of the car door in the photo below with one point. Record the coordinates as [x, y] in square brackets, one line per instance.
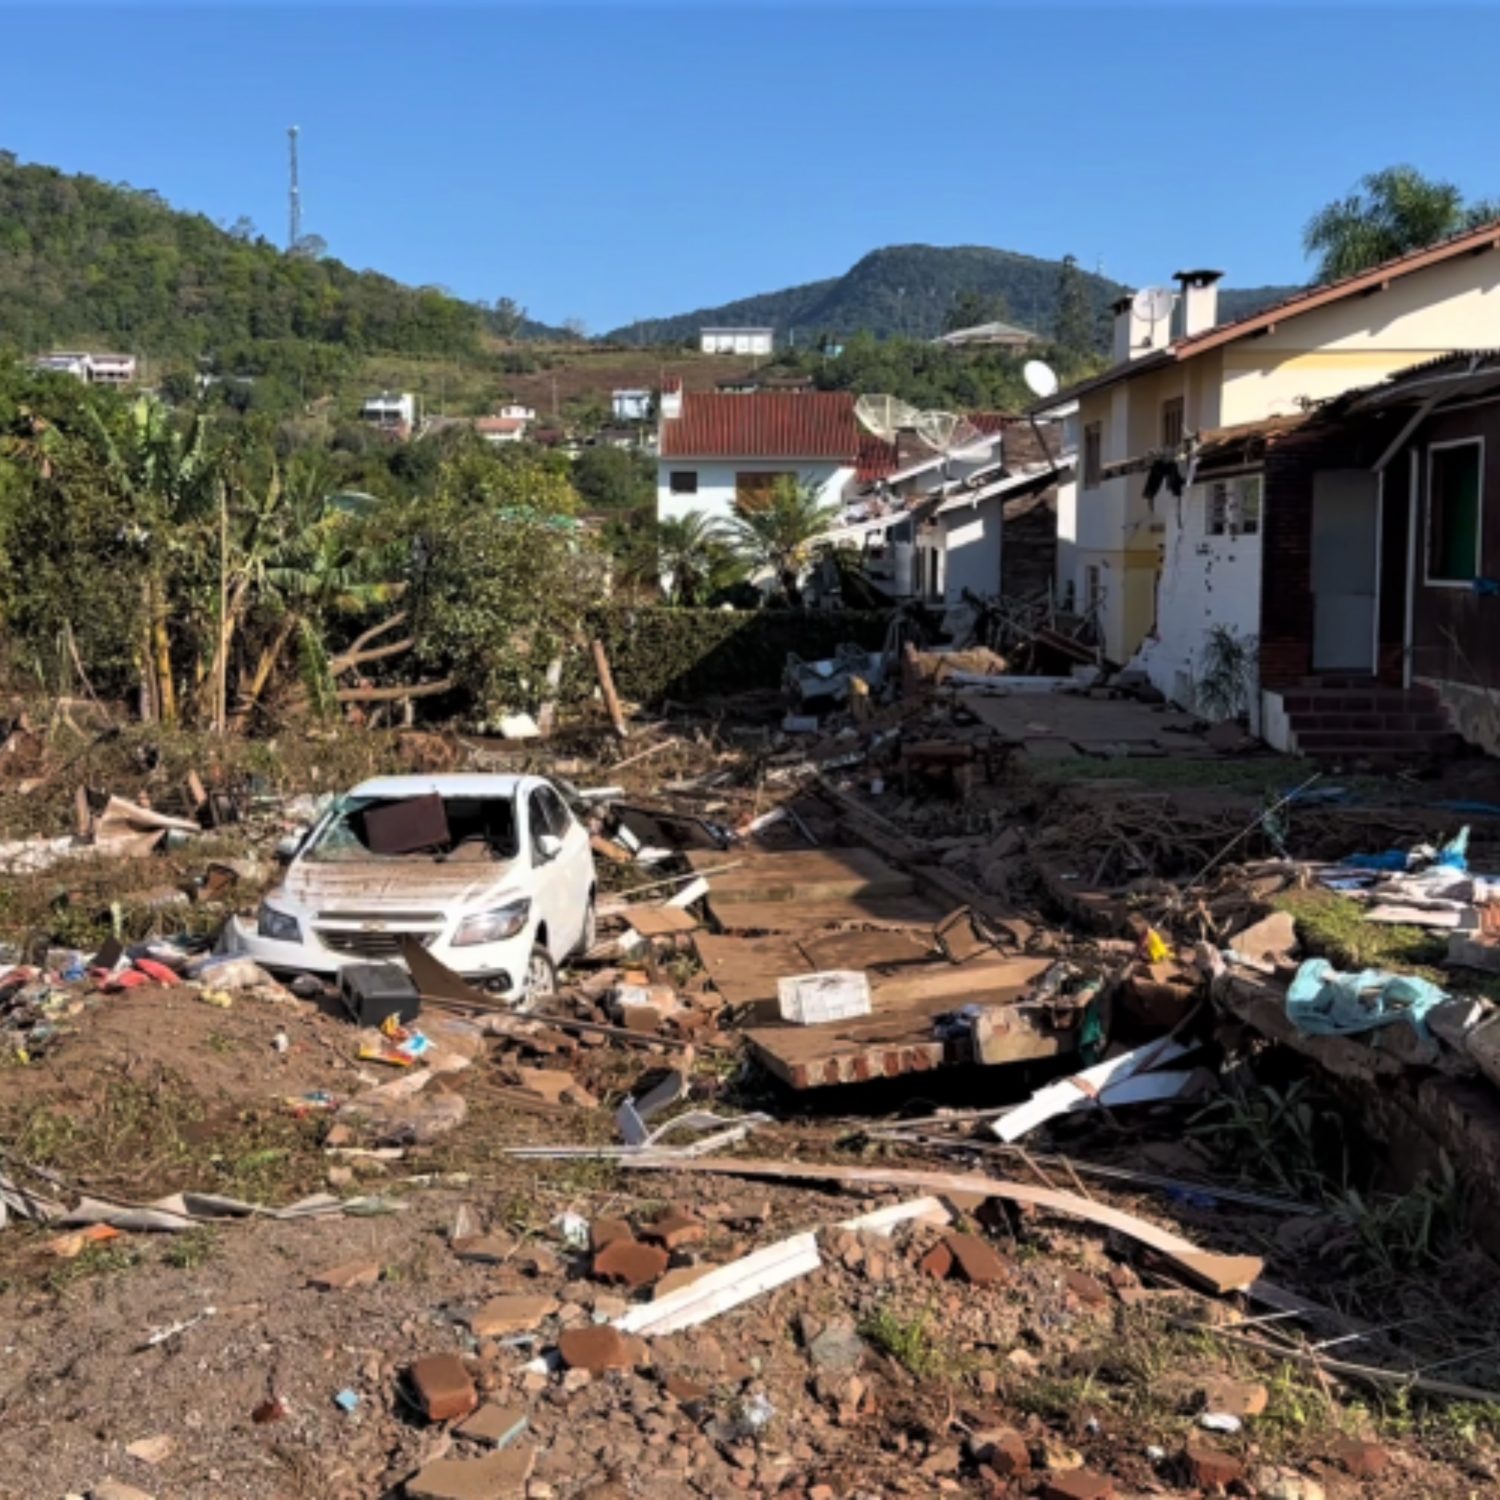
[547, 893]
[575, 869]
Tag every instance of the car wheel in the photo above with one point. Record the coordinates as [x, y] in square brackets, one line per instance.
[541, 979]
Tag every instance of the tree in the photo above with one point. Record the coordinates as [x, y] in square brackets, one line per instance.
[614, 479]
[1073, 329]
[777, 538]
[507, 316]
[576, 329]
[695, 559]
[1391, 213]
[970, 308]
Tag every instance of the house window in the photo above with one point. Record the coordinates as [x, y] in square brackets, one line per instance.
[1455, 487]
[1093, 455]
[1233, 507]
[754, 492]
[1171, 422]
[683, 481]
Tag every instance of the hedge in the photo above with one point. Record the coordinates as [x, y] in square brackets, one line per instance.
[658, 653]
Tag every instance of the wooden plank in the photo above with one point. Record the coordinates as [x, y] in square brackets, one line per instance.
[1219, 1273]
[661, 921]
[805, 875]
[745, 970]
[862, 950]
[885, 912]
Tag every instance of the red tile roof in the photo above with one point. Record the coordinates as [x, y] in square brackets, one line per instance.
[499, 424]
[765, 424]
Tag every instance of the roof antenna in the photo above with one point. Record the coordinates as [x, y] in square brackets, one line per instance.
[294, 228]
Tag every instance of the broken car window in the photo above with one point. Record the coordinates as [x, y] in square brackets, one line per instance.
[447, 828]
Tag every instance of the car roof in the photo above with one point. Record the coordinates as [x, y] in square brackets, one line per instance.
[468, 784]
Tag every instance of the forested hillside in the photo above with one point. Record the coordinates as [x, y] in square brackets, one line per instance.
[88, 261]
[912, 291]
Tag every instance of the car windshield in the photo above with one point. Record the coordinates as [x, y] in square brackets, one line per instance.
[427, 827]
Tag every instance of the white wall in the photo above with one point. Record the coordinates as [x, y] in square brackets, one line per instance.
[971, 543]
[716, 489]
[1205, 581]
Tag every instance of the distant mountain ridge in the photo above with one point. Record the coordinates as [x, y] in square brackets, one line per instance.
[909, 290]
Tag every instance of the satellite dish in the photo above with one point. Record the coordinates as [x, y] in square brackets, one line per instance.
[1151, 304]
[885, 416]
[1040, 378]
[946, 431]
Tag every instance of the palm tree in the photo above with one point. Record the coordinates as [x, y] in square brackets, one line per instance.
[777, 536]
[695, 558]
[1392, 213]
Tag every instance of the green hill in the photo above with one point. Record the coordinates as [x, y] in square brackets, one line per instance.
[910, 290]
[85, 261]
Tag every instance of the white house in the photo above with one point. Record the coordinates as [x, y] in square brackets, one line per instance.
[396, 410]
[1163, 560]
[517, 412]
[502, 428]
[630, 405]
[716, 451]
[737, 340]
[94, 369]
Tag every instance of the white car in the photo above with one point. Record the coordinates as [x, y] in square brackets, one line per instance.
[493, 875]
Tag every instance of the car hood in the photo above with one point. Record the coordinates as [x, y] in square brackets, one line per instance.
[387, 886]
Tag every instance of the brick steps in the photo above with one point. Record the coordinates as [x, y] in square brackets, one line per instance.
[1356, 719]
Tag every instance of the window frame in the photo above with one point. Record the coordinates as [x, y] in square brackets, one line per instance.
[1177, 407]
[1227, 532]
[1093, 454]
[674, 475]
[1428, 581]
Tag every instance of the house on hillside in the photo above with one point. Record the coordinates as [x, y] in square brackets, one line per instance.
[1172, 553]
[93, 369]
[717, 452]
[391, 411]
[994, 335]
[758, 341]
[630, 405]
[502, 428]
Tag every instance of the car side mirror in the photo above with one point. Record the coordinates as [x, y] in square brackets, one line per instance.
[286, 850]
[548, 846]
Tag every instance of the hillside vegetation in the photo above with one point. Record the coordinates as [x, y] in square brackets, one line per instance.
[911, 290]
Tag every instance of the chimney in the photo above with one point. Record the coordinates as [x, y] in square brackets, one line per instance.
[671, 399]
[1200, 300]
[1121, 311]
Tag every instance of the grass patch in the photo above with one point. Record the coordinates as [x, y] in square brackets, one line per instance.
[103, 1259]
[908, 1340]
[192, 1248]
[1334, 927]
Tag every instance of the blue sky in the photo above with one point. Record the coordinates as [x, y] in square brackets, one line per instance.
[618, 161]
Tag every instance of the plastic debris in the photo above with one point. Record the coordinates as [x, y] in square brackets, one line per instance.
[1323, 1001]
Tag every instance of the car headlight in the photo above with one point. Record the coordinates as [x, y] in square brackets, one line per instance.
[280, 925]
[492, 926]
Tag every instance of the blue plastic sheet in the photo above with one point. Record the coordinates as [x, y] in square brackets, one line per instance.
[1324, 1001]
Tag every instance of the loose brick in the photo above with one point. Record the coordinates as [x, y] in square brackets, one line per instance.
[675, 1228]
[518, 1313]
[496, 1425]
[1085, 1288]
[492, 1477]
[604, 1232]
[677, 1278]
[1080, 1484]
[1003, 1449]
[1362, 1459]
[351, 1273]
[975, 1259]
[938, 1261]
[596, 1349]
[443, 1387]
[1209, 1466]
[630, 1263]
[1235, 1398]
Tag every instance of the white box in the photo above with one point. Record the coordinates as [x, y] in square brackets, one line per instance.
[834, 995]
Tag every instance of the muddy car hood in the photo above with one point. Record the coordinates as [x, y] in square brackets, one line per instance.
[390, 885]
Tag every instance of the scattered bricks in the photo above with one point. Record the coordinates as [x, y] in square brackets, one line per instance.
[938, 1261]
[443, 1387]
[975, 1259]
[677, 1278]
[1364, 1460]
[604, 1232]
[1081, 1484]
[486, 1249]
[489, 1478]
[553, 1086]
[596, 1349]
[630, 1263]
[511, 1314]
[675, 1229]
[1085, 1288]
[1235, 1398]
[1001, 1449]
[1209, 1466]
[498, 1426]
[351, 1273]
